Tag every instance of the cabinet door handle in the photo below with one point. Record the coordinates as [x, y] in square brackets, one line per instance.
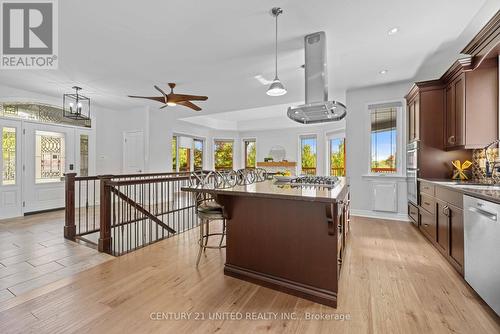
[451, 140]
[427, 203]
[446, 210]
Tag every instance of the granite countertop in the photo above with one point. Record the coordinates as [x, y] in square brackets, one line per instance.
[486, 191]
[273, 189]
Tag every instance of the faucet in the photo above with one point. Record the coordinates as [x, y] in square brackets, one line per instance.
[490, 166]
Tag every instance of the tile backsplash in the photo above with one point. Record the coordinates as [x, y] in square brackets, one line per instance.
[479, 166]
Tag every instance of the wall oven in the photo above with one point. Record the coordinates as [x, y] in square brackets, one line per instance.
[412, 171]
[412, 155]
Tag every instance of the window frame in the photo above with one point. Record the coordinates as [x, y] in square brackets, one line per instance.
[299, 162]
[202, 141]
[191, 150]
[244, 150]
[215, 140]
[329, 137]
[400, 136]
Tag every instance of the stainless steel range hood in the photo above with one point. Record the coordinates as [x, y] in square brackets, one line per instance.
[317, 108]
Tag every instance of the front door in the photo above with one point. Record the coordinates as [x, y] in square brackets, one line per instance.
[10, 169]
[133, 152]
[49, 154]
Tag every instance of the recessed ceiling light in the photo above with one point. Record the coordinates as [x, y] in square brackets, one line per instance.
[393, 31]
[383, 72]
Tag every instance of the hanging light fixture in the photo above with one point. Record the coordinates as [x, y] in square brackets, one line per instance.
[76, 106]
[276, 88]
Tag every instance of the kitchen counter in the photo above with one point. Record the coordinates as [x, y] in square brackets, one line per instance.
[279, 190]
[485, 191]
[286, 237]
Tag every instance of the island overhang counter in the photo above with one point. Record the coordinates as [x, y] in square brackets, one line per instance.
[286, 237]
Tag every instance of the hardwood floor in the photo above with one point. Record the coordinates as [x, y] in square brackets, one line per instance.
[33, 253]
[393, 281]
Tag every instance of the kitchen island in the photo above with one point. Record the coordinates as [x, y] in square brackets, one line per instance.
[286, 237]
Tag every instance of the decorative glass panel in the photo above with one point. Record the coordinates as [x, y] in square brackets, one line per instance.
[308, 154]
[223, 155]
[9, 156]
[39, 112]
[84, 155]
[50, 158]
[198, 154]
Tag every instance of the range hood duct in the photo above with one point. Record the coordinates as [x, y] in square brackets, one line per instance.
[317, 108]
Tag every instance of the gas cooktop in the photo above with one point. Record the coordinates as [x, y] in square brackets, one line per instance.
[321, 181]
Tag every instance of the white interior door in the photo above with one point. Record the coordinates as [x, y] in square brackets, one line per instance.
[10, 169]
[49, 154]
[133, 152]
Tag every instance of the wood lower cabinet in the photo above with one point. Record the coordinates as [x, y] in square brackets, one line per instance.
[428, 224]
[442, 221]
[443, 226]
[456, 235]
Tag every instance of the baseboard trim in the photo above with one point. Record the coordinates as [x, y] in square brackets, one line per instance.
[380, 215]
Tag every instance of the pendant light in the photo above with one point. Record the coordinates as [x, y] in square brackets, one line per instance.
[276, 88]
[76, 106]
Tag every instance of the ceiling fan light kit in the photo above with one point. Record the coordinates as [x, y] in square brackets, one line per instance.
[276, 88]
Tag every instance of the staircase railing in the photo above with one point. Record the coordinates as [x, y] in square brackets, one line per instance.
[121, 213]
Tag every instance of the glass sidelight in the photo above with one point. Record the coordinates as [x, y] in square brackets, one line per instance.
[9, 145]
[84, 155]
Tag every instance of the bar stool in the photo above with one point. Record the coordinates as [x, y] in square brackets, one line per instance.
[208, 210]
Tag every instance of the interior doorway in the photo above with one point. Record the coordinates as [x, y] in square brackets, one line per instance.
[133, 152]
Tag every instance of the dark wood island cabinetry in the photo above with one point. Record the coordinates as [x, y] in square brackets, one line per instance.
[289, 238]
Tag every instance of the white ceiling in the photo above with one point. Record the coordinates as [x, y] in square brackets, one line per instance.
[114, 48]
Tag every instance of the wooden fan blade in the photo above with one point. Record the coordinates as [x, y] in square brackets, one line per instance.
[160, 90]
[183, 97]
[189, 105]
[154, 98]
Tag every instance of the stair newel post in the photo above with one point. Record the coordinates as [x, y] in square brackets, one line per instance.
[69, 199]
[105, 240]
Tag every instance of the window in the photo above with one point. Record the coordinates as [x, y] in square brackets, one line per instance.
[337, 156]
[84, 155]
[9, 156]
[308, 154]
[174, 153]
[223, 154]
[184, 159]
[250, 153]
[49, 156]
[198, 154]
[383, 127]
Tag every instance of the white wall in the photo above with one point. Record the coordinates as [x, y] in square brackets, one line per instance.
[358, 150]
[289, 139]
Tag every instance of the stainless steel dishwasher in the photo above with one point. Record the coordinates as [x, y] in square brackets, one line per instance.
[482, 249]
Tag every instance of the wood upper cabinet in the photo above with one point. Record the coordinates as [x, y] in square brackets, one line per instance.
[455, 112]
[471, 107]
[413, 107]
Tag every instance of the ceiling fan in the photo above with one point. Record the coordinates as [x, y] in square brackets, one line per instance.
[173, 99]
